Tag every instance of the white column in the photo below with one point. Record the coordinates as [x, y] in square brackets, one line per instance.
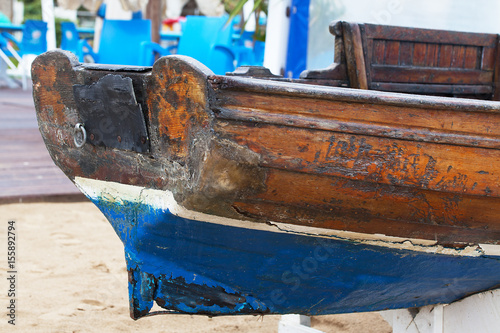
[278, 27]
[48, 16]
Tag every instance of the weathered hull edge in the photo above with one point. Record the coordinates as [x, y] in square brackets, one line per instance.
[197, 267]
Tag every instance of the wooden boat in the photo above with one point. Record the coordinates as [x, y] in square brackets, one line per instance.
[252, 194]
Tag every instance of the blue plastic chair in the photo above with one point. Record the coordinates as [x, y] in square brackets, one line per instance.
[6, 52]
[33, 43]
[70, 40]
[210, 41]
[125, 43]
[34, 39]
[251, 52]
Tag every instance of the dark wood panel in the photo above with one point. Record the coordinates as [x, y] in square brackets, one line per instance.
[488, 58]
[392, 53]
[445, 51]
[472, 58]
[441, 89]
[428, 35]
[430, 75]
[432, 56]
[458, 56]
[378, 52]
[406, 54]
[419, 54]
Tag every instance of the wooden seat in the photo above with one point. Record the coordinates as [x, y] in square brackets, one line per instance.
[413, 60]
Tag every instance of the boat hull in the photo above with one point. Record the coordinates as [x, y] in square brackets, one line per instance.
[217, 268]
[237, 195]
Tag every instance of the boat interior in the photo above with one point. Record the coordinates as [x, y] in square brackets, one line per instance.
[412, 60]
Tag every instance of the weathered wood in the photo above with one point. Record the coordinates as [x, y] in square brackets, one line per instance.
[430, 75]
[363, 161]
[356, 69]
[496, 77]
[434, 89]
[376, 31]
[437, 59]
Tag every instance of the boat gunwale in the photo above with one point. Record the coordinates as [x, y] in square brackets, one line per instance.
[345, 94]
[400, 132]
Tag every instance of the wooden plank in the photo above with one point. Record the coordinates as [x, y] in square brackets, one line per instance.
[440, 89]
[432, 56]
[332, 202]
[430, 75]
[488, 58]
[360, 157]
[472, 57]
[419, 54]
[452, 122]
[406, 54]
[457, 56]
[375, 31]
[391, 53]
[496, 77]
[445, 51]
[356, 68]
[378, 51]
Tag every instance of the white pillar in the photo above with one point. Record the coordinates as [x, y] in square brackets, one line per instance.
[278, 27]
[48, 16]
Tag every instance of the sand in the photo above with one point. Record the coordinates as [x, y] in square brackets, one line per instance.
[71, 277]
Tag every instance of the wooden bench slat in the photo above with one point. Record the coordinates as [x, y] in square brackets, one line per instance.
[432, 55]
[472, 58]
[420, 54]
[488, 58]
[385, 73]
[441, 89]
[458, 56]
[445, 55]
[378, 52]
[406, 53]
[392, 53]
[427, 35]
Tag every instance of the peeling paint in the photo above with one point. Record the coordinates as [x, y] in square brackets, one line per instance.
[189, 262]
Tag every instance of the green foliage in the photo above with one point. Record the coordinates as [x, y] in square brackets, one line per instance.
[235, 8]
[32, 9]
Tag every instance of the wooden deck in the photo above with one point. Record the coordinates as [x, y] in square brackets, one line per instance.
[27, 172]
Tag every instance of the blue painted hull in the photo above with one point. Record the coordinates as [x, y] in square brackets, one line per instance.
[189, 266]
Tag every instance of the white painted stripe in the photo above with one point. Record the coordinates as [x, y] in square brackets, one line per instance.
[164, 200]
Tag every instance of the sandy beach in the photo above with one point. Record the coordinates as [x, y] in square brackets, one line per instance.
[71, 277]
